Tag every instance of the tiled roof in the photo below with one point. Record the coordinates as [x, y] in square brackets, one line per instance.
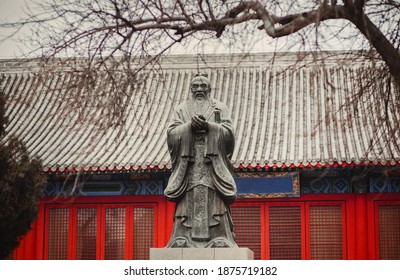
[283, 116]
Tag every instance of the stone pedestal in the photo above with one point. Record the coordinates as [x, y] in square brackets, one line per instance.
[201, 254]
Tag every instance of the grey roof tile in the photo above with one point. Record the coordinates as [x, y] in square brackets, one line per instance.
[283, 116]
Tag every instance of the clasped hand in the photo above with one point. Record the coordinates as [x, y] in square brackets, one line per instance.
[199, 123]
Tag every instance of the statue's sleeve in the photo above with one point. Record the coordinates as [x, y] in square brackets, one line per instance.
[220, 135]
[178, 140]
[227, 131]
[221, 140]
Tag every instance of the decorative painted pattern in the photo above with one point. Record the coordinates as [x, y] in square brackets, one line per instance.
[384, 184]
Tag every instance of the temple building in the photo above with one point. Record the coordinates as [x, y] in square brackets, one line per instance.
[317, 172]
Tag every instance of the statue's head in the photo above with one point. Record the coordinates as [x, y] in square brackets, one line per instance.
[200, 86]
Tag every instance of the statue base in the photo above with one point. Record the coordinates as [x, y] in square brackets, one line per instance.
[201, 254]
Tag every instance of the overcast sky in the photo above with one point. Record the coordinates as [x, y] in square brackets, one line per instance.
[9, 10]
[12, 10]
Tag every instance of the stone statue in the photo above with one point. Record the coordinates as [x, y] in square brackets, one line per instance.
[201, 142]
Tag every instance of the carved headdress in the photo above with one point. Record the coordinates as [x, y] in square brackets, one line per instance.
[201, 78]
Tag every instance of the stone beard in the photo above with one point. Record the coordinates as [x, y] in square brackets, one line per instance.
[201, 142]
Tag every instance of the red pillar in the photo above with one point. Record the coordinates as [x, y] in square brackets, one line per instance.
[27, 247]
[169, 222]
[361, 227]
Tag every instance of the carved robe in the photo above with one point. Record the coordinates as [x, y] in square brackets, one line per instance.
[201, 182]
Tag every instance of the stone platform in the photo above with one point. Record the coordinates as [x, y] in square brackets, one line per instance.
[201, 254]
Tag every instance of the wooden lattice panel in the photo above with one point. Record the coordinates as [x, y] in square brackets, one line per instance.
[247, 227]
[58, 233]
[143, 229]
[115, 226]
[389, 232]
[285, 233]
[86, 234]
[326, 232]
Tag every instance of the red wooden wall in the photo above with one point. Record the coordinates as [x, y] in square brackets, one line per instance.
[317, 226]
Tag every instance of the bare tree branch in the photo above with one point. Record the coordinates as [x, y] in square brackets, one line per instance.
[111, 36]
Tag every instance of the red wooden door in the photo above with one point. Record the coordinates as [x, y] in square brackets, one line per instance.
[108, 231]
[384, 227]
[303, 228]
